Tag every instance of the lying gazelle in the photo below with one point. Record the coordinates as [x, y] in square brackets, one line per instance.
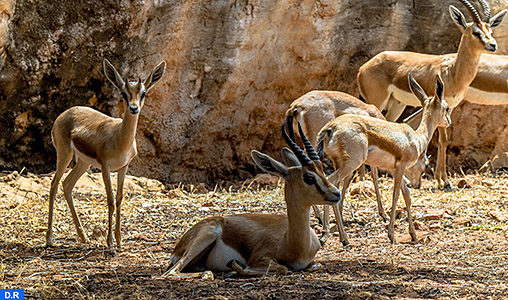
[316, 108]
[349, 141]
[258, 244]
[383, 79]
[93, 138]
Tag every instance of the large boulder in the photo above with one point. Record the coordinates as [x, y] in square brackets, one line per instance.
[233, 69]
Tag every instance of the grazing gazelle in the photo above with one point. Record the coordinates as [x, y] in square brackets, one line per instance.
[316, 108]
[93, 138]
[351, 140]
[258, 244]
[383, 79]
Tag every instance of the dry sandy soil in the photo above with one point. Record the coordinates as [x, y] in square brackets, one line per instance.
[462, 253]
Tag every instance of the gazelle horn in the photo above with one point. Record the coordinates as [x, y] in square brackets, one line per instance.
[474, 13]
[300, 154]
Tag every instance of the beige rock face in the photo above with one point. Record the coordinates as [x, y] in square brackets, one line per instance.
[233, 69]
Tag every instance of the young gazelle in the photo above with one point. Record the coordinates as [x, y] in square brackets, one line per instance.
[93, 138]
[316, 108]
[258, 244]
[350, 141]
[383, 79]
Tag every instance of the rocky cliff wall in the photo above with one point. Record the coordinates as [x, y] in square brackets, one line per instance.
[233, 68]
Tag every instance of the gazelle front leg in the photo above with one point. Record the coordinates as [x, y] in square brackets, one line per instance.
[119, 196]
[111, 204]
[397, 181]
[266, 266]
[441, 176]
[68, 185]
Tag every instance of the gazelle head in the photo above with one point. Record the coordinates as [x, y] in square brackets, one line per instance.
[414, 173]
[133, 92]
[306, 182]
[435, 106]
[478, 33]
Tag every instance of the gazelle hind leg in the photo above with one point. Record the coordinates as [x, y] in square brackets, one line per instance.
[68, 185]
[64, 157]
[194, 242]
[337, 209]
[394, 109]
[318, 214]
[325, 232]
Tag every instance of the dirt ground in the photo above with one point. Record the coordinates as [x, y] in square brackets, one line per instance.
[462, 253]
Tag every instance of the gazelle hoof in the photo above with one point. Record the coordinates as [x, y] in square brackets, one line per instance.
[447, 188]
[324, 238]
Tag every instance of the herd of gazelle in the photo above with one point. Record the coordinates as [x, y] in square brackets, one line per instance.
[350, 132]
[382, 81]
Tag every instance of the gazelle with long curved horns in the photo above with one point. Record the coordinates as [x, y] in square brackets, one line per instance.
[258, 244]
[93, 138]
[351, 140]
[316, 108]
[383, 79]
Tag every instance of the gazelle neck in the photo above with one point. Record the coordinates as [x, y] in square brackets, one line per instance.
[128, 129]
[426, 129]
[298, 232]
[464, 70]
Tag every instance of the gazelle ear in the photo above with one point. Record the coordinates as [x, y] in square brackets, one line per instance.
[268, 164]
[156, 74]
[497, 19]
[290, 158]
[112, 74]
[416, 89]
[458, 18]
[439, 87]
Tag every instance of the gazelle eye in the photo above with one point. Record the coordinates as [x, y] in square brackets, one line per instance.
[309, 179]
[477, 34]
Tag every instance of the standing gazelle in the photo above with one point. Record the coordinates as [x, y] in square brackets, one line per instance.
[350, 140]
[316, 108]
[93, 138]
[258, 244]
[383, 79]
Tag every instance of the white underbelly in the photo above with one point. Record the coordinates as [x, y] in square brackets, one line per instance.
[410, 99]
[488, 98]
[381, 159]
[220, 255]
[403, 96]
